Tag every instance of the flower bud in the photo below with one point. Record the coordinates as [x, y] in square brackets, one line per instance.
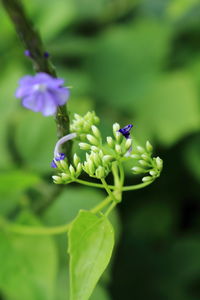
[76, 159]
[78, 169]
[145, 157]
[159, 163]
[94, 148]
[149, 147]
[147, 178]
[143, 163]
[100, 172]
[72, 170]
[128, 143]
[57, 179]
[96, 159]
[153, 173]
[110, 141]
[107, 158]
[96, 131]
[91, 167]
[63, 164]
[140, 149]
[65, 176]
[118, 149]
[116, 127]
[92, 139]
[135, 156]
[138, 170]
[84, 146]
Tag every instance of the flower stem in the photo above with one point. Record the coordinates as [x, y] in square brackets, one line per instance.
[32, 41]
[137, 186]
[108, 190]
[93, 184]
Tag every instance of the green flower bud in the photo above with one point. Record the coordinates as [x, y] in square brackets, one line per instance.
[135, 156]
[96, 159]
[153, 173]
[159, 163]
[110, 141]
[72, 170]
[63, 164]
[91, 167]
[96, 131]
[145, 157]
[143, 163]
[84, 146]
[94, 148]
[57, 179]
[92, 139]
[140, 149]
[138, 170]
[65, 177]
[100, 173]
[149, 147]
[76, 159]
[78, 169]
[118, 149]
[147, 178]
[107, 159]
[128, 143]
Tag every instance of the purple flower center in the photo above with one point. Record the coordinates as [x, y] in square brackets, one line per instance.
[126, 131]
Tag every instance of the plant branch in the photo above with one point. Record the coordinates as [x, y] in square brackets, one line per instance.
[32, 42]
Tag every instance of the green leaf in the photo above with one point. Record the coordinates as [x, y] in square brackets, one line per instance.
[91, 241]
[28, 266]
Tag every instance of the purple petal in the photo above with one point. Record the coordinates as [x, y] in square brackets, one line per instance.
[49, 105]
[33, 102]
[53, 164]
[60, 95]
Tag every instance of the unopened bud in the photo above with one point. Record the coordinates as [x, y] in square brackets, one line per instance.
[92, 139]
[116, 127]
[65, 176]
[135, 156]
[110, 141]
[128, 143]
[143, 163]
[140, 149]
[107, 158]
[153, 173]
[72, 170]
[96, 131]
[138, 170]
[63, 164]
[76, 160]
[145, 157]
[159, 163]
[100, 172]
[84, 146]
[91, 167]
[57, 179]
[147, 178]
[149, 147]
[118, 149]
[78, 169]
[94, 148]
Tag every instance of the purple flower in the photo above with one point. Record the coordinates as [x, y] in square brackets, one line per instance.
[126, 131]
[57, 154]
[42, 92]
[60, 156]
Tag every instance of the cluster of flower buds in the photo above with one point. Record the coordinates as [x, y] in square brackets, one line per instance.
[68, 173]
[82, 126]
[97, 164]
[146, 163]
[120, 144]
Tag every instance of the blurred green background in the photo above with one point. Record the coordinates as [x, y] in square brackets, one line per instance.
[132, 61]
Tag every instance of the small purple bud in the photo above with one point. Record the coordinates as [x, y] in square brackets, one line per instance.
[27, 53]
[46, 54]
[126, 131]
[60, 156]
[53, 164]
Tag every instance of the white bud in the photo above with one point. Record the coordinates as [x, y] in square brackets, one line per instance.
[153, 173]
[65, 176]
[116, 127]
[147, 178]
[107, 158]
[118, 136]
[63, 164]
[92, 139]
[140, 149]
[149, 147]
[145, 157]
[128, 143]
[138, 170]
[94, 148]
[91, 167]
[118, 149]
[78, 169]
[84, 146]
[96, 131]
[57, 179]
[135, 156]
[96, 159]
[110, 141]
[100, 172]
[72, 170]
[159, 163]
[143, 163]
[76, 159]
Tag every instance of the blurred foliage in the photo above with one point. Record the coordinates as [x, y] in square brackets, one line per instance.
[133, 61]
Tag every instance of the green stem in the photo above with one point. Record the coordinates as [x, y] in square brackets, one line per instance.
[137, 186]
[108, 189]
[33, 42]
[97, 185]
[115, 174]
[110, 208]
[31, 230]
[121, 170]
